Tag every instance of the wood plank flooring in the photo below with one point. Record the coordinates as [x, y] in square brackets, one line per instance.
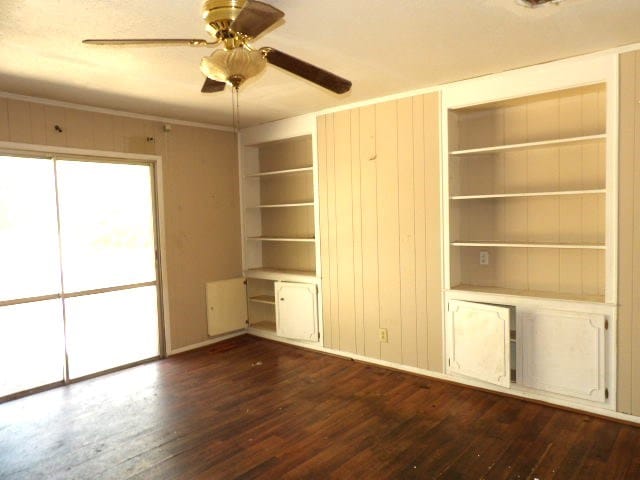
[249, 408]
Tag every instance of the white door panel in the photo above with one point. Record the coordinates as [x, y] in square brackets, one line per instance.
[296, 311]
[563, 352]
[226, 306]
[478, 341]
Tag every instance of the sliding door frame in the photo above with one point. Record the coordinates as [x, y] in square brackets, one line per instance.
[154, 162]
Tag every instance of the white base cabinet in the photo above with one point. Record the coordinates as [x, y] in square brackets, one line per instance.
[296, 311]
[564, 353]
[288, 309]
[543, 348]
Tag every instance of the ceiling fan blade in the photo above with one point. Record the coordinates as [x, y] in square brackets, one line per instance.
[191, 42]
[255, 18]
[305, 70]
[211, 86]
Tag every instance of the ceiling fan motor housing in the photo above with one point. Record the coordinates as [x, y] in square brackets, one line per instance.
[219, 14]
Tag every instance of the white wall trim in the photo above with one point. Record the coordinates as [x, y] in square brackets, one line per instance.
[241, 160]
[542, 78]
[317, 346]
[612, 182]
[53, 150]
[316, 226]
[162, 248]
[626, 48]
[278, 130]
[110, 111]
[205, 343]
[443, 139]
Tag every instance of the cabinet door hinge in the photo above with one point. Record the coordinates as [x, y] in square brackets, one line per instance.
[318, 336]
[606, 393]
[449, 361]
[606, 324]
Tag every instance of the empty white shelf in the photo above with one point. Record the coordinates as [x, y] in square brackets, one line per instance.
[288, 171]
[529, 293]
[268, 299]
[266, 326]
[527, 145]
[284, 205]
[283, 239]
[529, 194]
[304, 276]
[589, 246]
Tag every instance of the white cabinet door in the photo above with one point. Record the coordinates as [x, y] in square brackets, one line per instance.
[563, 352]
[296, 311]
[478, 341]
[226, 306]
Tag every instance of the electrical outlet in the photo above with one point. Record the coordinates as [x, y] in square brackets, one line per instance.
[484, 258]
[383, 335]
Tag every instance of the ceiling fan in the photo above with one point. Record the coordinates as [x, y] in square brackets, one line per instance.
[233, 24]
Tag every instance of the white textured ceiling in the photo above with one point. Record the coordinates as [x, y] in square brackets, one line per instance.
[382, 46]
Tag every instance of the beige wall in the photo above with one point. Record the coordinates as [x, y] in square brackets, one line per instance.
[201, 198]
[379, 176]
[629, 237]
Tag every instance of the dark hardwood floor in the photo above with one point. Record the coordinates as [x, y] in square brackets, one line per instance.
[250, 408]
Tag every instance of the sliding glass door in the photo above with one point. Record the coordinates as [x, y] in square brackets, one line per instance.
[78, 269]
[108, 264]
[31, 324]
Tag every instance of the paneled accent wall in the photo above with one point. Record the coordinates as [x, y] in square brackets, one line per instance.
[201, 198]
[379, 179]
[629, 235]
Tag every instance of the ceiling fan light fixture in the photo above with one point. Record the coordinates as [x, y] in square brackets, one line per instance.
[233, 66]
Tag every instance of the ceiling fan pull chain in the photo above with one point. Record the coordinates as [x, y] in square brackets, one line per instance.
[238, 108]
[235, 106]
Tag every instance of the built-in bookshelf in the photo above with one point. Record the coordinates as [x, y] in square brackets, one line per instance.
[527, 193]
[279, 221]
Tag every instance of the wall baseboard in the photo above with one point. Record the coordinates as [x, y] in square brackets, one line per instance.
[211, 341]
